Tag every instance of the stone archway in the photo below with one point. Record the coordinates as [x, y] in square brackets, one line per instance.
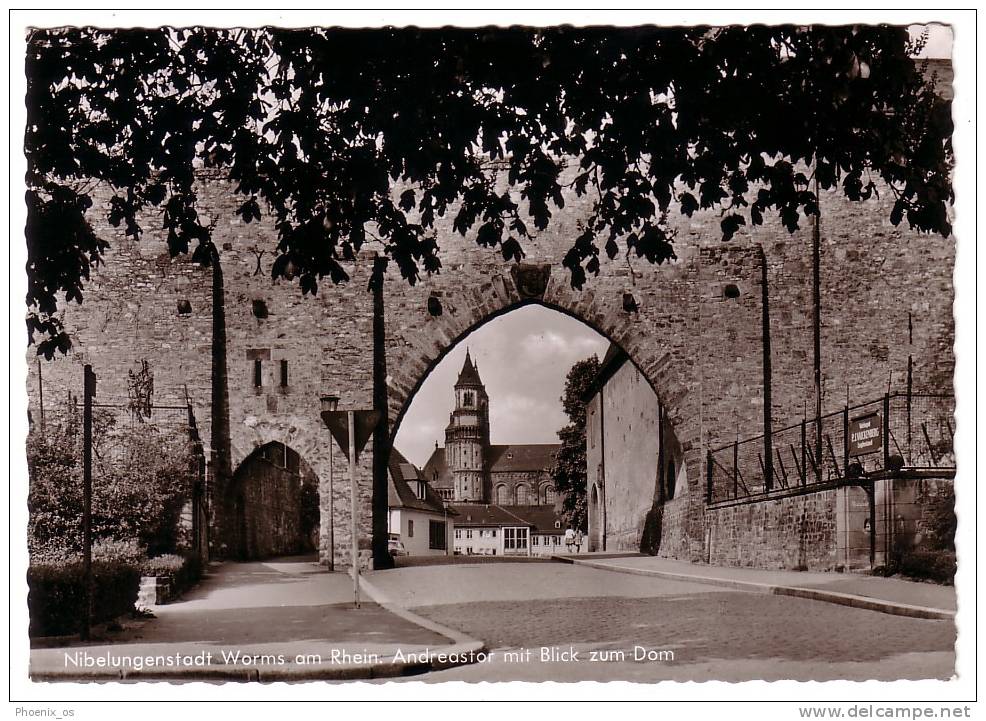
[274, 503]
[419, 337]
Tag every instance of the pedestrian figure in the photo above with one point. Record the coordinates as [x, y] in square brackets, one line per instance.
[569, 539]
[578, 541]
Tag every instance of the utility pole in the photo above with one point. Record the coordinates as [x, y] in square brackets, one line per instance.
[381, 432]
[768, 441]
[89, 391]
[816, 297]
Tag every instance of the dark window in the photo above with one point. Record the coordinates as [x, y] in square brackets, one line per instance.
[731, 291]
[258, 373]
[184, 308]
[410, 528]
[436, 535]
[260, 309]
[284, 373]
[467, 399]
[670, 481]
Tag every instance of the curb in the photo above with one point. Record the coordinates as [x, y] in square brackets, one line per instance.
[462, 646]
[815, 594]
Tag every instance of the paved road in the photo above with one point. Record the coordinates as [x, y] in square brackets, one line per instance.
[712, 632]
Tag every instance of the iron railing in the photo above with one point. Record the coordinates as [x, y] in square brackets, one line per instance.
[899, 431]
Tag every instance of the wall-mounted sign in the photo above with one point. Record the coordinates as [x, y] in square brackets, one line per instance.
[865, 435]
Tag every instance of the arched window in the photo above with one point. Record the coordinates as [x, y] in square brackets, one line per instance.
[501, 496]
[670, 481]
[549, 495]
[522, 495]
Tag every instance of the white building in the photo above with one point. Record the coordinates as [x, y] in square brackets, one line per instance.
[416, 517]
[492, 530]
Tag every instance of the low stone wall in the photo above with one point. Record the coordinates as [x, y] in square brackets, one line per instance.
[796, 532]
[821, 531]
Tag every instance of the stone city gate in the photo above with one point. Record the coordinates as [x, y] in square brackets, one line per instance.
[257, 356]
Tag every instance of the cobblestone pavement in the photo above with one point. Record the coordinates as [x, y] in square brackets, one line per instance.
[713, 632]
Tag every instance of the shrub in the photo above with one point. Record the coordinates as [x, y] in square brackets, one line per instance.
[142, 477]
[941, 520]
[931, 565]
[56, 594]
[56, 583]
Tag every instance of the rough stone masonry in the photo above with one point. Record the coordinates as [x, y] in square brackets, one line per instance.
[256, 355]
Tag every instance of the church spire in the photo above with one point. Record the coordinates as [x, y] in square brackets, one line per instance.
[468, 376]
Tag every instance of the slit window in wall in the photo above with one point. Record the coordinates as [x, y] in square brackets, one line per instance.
[284, 374]
[260, 308]
[731, 291]
[184, 308]
[258, 373]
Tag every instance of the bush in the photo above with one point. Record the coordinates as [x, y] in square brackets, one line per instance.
[142, 477]
[931, 565]
[56, 582]
[941, 520]
[181, 571]
[56, 594]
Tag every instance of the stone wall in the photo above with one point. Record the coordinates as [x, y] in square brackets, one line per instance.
[886, 295]
[826, 530]
[631, 445]
[796, 532]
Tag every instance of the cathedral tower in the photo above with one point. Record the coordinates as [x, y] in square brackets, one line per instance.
[468, 436]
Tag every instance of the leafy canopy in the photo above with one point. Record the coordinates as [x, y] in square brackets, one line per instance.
[488, 126]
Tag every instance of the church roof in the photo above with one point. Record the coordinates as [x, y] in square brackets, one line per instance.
[512, 457]
[521, 457]
[468, 376]
[399, 492]
[540, 519]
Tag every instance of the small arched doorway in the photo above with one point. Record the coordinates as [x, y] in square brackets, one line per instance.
[275, 505]
[596, 520]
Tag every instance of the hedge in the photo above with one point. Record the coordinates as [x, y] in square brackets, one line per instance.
[55, 596]
[932, 565]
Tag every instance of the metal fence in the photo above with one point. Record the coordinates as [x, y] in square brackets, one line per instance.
[900, 431]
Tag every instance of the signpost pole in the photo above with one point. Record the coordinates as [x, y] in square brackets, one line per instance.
[332, 516]
[354, 494]
[89, 390]
[886, 431]
[845, 440]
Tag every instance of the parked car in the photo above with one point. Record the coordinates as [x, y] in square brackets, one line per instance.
[396, 548]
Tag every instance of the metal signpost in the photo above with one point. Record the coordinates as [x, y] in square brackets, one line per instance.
[351, 429]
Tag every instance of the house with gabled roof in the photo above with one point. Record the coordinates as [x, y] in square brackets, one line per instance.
[417, 517]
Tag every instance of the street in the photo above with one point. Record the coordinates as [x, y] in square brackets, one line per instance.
[632, 622]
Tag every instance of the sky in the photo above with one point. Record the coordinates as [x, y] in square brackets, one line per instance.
[523, 357]
[939, 40]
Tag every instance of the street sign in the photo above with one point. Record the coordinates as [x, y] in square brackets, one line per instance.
[365, 422]
[865, 435]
